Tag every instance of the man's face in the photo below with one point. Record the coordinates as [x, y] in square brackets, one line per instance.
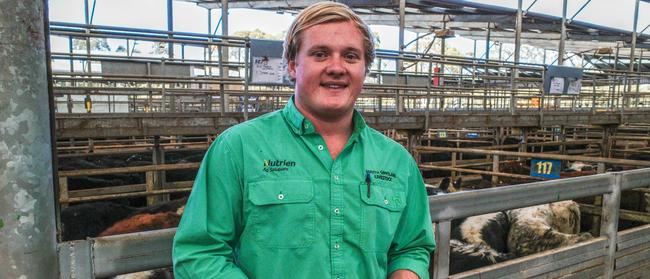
[329, 69]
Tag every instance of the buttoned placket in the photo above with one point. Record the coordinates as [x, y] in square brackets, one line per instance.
[336, 219]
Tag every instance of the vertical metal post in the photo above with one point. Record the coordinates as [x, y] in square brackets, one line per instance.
[27, 209]
[441, 254]
[515, 70]
[560, 54]
[87, 21]
[209, 95]
[474, 51]
[495, 167]
[612, 87]
[453, 164]
[158, 158]
[634, 34]
[443, 47]
[246, 52]
[487, 43]
[223, 56]
[609, 223]
[170, 27]
[638, 79]
[485, 74]
[632, 57]
[428, 108]
[400, 63]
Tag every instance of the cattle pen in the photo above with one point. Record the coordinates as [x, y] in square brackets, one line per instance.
[611, 255]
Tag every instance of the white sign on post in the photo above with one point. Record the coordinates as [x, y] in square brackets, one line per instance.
[574, 86]
[557, 85]
[267, 70]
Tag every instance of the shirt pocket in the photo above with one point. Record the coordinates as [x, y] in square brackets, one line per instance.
[381, 212]
[283, 214]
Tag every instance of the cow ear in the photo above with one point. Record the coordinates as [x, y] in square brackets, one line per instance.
[444, 184]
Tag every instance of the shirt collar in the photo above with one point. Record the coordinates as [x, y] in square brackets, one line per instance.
[301, 125]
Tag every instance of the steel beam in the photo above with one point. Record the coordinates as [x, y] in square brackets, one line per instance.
[27, 214]
[634, 34]
[560, 60]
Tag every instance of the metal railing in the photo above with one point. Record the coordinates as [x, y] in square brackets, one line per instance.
[216, 80]
[608, 254]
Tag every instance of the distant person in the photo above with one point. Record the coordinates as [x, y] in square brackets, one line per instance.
[309, 191]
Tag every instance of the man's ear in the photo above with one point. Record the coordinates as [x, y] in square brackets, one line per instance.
[291, 69]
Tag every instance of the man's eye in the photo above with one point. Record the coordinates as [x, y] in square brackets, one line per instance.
[351, 56]
[319, 54]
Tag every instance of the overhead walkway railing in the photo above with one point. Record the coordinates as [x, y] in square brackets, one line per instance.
[130, 70]
[612, 253]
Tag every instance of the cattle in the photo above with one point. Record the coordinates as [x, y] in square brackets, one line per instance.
[464, 256]
[478, 241]
[444, 187]
[579, 166]
[144, 222]
[538, 228]
[92, 219]
[488, 229]
[487, 239]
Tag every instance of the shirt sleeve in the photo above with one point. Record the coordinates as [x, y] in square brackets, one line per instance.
[212, 221]
[413, 242]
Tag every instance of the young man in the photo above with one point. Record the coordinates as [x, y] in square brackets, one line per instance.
[309, 191]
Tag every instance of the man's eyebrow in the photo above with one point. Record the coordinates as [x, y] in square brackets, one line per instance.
[325, 47]
[318, 47]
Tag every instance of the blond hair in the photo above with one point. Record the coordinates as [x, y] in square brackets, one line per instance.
[325, 12]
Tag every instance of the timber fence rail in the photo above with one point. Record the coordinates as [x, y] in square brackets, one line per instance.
[151, 188]
[498, 155]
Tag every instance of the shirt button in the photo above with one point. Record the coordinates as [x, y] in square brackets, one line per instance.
[337, 211]
[336, 177]
[320, 147]
[281, 197]
[385, 201]
[337, 246]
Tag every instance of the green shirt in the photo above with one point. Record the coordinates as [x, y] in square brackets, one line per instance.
[269, 202]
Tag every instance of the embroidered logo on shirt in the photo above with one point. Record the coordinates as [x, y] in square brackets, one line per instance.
[382, 174]
[278, 165]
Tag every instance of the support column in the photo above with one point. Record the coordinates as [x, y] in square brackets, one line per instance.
[515, 71]
[158, 158]
[560, 55]
[224, 57]
[27, 208]
[443, 47]
[208, 103]
[634, 35]
[487, 43]
[399, 100]
[632, 58]
[170, 27]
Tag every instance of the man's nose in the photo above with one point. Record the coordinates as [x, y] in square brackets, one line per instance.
[336, 65]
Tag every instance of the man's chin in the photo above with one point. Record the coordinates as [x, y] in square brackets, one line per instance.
[334, 112]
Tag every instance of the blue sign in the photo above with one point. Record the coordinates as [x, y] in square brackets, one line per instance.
[545, 168]
[472, 135]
